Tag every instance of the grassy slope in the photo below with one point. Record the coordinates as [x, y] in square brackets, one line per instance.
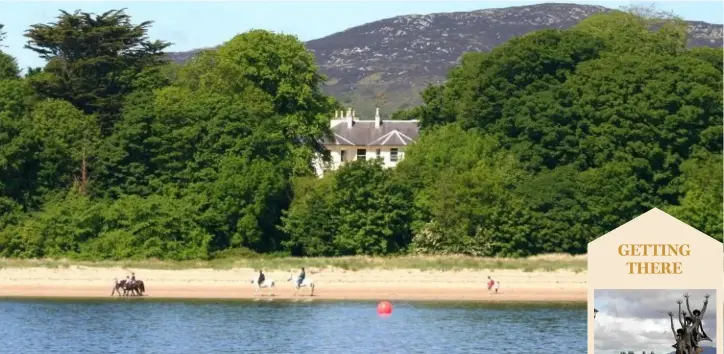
[441, 263]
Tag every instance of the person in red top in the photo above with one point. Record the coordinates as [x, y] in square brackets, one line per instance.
[491, 282]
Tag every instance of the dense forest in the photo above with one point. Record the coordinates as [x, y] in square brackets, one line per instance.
[110, 151]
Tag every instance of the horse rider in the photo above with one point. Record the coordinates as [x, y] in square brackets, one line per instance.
[133, 278]
[301, 278]
[261, 279]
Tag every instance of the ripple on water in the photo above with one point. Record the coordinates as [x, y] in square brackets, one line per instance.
[97, 326]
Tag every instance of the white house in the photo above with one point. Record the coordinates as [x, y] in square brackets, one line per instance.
[354, 139]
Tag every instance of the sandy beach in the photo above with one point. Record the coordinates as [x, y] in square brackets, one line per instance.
[330, 284]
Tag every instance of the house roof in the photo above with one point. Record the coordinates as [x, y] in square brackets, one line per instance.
[364, 133]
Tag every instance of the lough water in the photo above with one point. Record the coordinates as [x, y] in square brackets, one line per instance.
[279, 326]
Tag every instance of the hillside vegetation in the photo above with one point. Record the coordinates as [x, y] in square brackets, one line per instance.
[550, 140]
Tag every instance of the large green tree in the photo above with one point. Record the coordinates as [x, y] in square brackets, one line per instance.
[602, 117]
[93, 60]
[229, 131]
[703, 198]
[464, 197]
[265, 68]
[8, 66]
[359, 210]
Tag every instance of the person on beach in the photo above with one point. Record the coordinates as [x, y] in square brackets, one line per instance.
[260, 281]
[301, 278]
[491, 282]
[133, 278]
[497, 286]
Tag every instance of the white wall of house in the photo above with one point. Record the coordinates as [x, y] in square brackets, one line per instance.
[390, 156]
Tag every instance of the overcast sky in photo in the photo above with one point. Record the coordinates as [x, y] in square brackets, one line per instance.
[638, 320]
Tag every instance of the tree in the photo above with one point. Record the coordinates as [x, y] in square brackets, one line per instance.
[601, 115]
[93, 60]
[309, 220]
[242, 205]
[464, 204]
[359, 210]
[660, 112]
[260, 66]
[714, 56]
[478, 91]
[227, 141]
[66, 141]
[47, 149]
[637, 29]
[16, 154]
[702, 202]
[8, 66]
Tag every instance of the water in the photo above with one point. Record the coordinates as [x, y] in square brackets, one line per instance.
[154, 326]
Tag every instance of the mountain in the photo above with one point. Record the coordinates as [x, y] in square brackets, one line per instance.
[387, 63]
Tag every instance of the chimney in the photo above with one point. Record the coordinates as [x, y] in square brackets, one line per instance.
[378, 121]
[336, 114]
[349, 117]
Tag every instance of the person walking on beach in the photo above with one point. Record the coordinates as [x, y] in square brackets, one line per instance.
[261, 279]
[497, 286]
[491, 282]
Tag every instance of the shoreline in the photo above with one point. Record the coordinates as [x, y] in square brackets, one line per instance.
[348, 294]
[516, 286]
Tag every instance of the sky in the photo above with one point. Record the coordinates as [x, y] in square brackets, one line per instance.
[638, 320]
[196, 24]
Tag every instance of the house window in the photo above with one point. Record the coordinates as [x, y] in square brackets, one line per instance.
[361, 154]
[342, 155]
[378, 153]
[393, 154]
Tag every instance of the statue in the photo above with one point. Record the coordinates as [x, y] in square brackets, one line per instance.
[691, 332]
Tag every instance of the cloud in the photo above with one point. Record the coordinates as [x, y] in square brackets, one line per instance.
[638, 320]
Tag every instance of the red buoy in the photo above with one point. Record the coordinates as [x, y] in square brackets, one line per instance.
[384, 308]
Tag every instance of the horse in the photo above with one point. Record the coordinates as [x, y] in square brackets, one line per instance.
[137, 287]
[306, 282]
[117, 286]
[267, 283]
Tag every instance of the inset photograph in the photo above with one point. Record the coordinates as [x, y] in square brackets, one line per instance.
[663, 321]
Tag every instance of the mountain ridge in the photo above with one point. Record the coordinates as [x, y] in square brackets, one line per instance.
[388, 62]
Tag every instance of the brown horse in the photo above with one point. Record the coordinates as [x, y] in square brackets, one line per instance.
[135, 288]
